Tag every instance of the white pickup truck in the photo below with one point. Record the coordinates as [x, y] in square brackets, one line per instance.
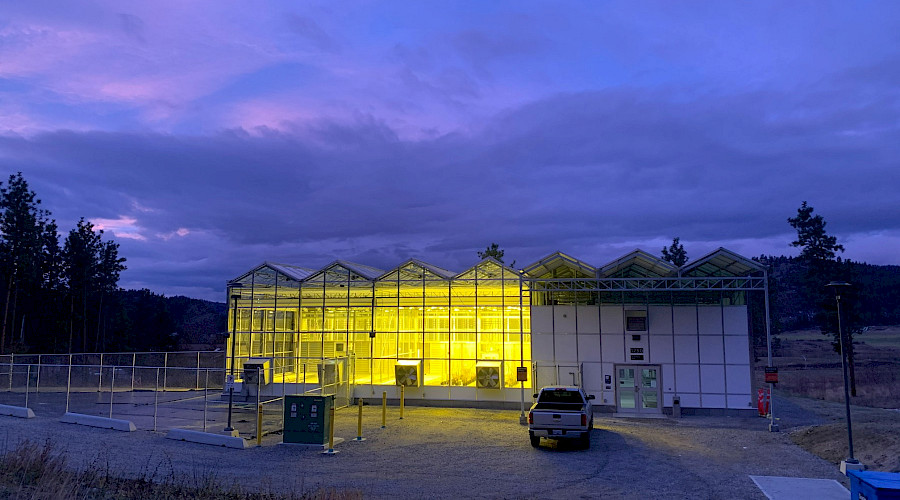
[561, 413]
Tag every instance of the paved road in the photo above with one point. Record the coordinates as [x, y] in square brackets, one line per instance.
[464, 453]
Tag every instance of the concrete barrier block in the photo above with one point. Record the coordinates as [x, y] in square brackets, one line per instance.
[16, 411]
[101, 422]
[207, 438]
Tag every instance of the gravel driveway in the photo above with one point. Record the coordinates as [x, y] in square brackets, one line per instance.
[463, 453]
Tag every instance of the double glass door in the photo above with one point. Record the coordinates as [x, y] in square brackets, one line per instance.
[638, 389]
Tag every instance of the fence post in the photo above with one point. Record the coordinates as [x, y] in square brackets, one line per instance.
[68, 383]
[156, 400]
[100, 381]
[133, 365]
[205, 396]
[165, 370]
[11, 356]
[198, 370]
[259, 415]
[112, 389]
[27, 382]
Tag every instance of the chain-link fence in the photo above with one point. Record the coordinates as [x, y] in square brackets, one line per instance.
[163, 390]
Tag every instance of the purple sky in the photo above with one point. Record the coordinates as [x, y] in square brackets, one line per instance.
[208, 136]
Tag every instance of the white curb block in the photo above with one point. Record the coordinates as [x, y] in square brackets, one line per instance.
[207, 438]
[101, 422]
[16, 411]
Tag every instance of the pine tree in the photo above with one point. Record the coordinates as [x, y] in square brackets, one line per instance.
[818, 253]
[493, 251]
[675, 253]
[22, 235]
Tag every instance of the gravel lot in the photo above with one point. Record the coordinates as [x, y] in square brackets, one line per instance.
[463, 453]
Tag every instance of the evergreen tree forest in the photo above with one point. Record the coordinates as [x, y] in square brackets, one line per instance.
[63, 296]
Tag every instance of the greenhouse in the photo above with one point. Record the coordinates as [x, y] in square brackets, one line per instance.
[491, 333]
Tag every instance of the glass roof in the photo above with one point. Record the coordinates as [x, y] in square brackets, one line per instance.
[296, 273]
[560, 265]
[489, 269]
[722, 262]
[414, 269]
[637, 264]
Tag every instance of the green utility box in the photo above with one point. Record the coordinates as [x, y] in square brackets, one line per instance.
[307, 419]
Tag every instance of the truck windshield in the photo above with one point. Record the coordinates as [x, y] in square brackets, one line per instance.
[561, 397]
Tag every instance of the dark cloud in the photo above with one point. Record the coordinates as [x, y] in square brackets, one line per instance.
[594, 172]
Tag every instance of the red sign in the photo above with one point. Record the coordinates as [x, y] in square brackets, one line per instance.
[771, 375]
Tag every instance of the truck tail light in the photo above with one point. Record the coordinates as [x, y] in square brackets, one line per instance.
[530, 418]
[583, 420]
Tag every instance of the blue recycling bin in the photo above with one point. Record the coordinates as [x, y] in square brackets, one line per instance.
[874, 485]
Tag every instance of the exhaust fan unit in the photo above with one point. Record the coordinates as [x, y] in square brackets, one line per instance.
[408, 372]
[487, 374]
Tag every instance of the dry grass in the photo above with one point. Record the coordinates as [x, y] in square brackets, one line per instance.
[809, 366]
[39, 472]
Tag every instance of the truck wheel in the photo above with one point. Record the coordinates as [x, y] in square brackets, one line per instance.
[585, 440]
[535, 440]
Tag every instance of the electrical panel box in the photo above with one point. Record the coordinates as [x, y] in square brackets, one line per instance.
[307, 419]
[257, 371]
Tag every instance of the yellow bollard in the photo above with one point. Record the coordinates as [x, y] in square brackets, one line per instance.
[401, 401]
[359, 422]
[259, 415]
[383, 410]
[331, 450]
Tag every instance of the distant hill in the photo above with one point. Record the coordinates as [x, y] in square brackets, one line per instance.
[874, 299]
[146, 321]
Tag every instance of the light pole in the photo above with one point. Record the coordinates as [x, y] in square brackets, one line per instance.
[851, 462]
[234, 301]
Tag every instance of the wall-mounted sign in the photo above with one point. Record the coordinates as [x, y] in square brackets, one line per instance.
[637, 350]
[637, 357]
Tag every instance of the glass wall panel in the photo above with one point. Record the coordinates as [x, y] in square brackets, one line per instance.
[437, 371]
[462, 372]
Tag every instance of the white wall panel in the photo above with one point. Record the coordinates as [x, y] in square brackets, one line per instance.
[689, 400]
[542, 346]
[737, 349]
[592, 380]
[685, 320]
[714, 401]
[565, 348]
[668, 378]
[710, 318]
[712, 379]
[711, 349]
[588, 319]
[564, 319]
[588, 347]
[735, 320]
[686, 349]
[541, 319]
[738, 379]
[611, 319]
[740, 401]
[661, 350]
[609, 395]
[613, 348]
[660, 319]
[687, 378]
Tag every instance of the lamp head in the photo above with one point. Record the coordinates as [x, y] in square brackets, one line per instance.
[837, 286]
